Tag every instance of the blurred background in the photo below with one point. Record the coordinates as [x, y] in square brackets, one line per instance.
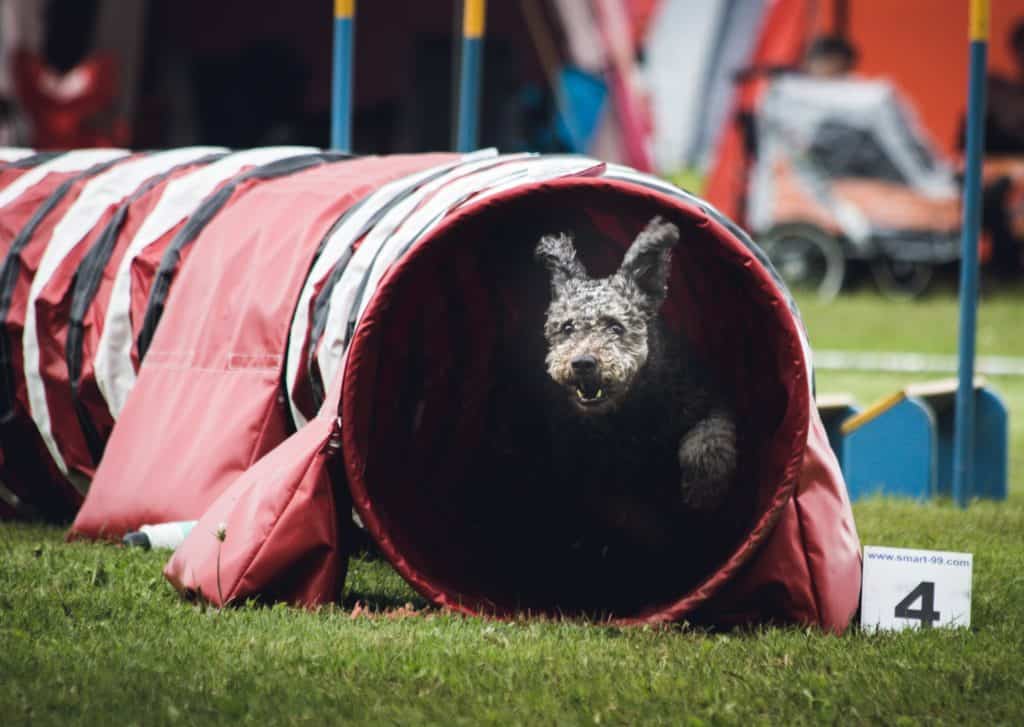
[831, 129]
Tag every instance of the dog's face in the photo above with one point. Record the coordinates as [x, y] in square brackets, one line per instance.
[597, 329]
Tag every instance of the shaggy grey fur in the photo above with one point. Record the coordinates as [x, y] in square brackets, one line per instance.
[630, 403]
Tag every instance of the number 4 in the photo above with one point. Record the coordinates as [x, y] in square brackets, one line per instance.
[927, 614]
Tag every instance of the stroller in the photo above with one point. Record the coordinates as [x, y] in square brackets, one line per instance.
[842, 173]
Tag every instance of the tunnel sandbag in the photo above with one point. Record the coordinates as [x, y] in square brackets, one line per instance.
[445, 443]
[207, 403]
[286, 525]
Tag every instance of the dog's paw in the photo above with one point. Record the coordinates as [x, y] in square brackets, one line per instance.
[707, 460]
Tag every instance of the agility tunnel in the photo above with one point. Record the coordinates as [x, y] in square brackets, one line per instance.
[267, 340]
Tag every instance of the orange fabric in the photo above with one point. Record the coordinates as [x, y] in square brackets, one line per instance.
[792, 202]
[897, 207]
[921, 45]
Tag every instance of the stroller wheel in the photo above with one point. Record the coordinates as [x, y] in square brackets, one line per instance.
[901, 279]
[809, 259]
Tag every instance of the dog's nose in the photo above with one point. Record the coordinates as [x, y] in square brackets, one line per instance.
[584, 365]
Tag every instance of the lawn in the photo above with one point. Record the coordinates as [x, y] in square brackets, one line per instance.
[863, 322]
[92, 634]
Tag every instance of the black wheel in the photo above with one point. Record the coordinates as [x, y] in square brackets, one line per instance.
[809, 259]
[901, 279]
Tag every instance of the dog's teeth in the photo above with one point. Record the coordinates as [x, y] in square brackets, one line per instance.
[579, 394]
[600, 394]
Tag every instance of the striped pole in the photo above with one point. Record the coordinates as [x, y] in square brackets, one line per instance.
[341, 81]
[963, 450]
[473, 13]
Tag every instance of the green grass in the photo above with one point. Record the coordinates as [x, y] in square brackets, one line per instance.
[92, 634]
[864, 322]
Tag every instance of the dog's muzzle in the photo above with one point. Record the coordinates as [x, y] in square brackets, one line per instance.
[587, 380]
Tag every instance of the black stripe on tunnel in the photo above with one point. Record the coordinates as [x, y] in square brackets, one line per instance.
[321, 305]
[33, 160]
[11, 270]
[86, 283]
[200, 219]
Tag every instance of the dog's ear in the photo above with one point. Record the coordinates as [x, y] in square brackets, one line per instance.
[647, 261]
[559, 256]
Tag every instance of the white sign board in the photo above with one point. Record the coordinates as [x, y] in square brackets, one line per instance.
[904, 588]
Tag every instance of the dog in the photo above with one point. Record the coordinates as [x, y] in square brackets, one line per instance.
[630, 407]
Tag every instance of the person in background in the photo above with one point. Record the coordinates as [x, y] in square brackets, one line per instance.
[1004, 113]
[1003, 194]
[830, 57]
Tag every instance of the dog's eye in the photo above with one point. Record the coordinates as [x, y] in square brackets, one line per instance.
[568, 328]
[615, 327]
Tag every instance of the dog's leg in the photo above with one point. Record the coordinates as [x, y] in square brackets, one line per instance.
[707, 459]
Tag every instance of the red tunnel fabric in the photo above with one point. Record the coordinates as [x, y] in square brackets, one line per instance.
[29, 471]
[405, 287]
[45, 312]
[25, 202]
[115, 315]
[215, 360]
[286, 525]
[393, 514]
[87, 301]
[26, 180]
[800, 559]
[332, 259]
[12, 169]
[113, 282]
[76, 439]
[22, 161]
[25, 184]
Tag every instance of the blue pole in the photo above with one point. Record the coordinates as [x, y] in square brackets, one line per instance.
[963, 451]
[473, 13]
[341, 80]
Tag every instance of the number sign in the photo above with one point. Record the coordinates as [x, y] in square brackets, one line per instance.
[905, 588]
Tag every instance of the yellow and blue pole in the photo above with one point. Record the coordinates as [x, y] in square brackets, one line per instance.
[963, 450]
[341, 80]
[473, 14]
